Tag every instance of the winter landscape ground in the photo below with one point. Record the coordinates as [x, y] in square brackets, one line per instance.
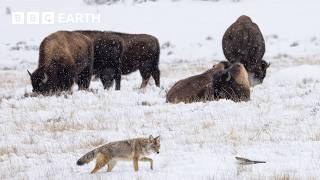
[42, 137]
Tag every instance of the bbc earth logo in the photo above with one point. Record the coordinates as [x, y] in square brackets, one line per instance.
[45, 18]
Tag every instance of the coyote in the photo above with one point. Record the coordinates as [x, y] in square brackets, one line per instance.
[130, 149]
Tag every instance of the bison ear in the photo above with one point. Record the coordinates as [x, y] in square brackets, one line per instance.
[29, 72]
[45, 79]
[265, 65]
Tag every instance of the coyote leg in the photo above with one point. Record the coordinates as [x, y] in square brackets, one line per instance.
[101, 161]
[111, 165]
[135, 164]
[148, 160]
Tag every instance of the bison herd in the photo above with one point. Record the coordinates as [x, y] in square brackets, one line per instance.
[66, 57]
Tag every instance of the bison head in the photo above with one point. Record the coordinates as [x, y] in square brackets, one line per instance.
[107, 77]
[231, 83]
[257, 75]
[40, 81]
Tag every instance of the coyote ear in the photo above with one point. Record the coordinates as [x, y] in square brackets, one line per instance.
[150, 138]
[157, 139]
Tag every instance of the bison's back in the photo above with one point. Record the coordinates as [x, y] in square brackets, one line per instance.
[188, 90]
[243, 41]
[139, 50]
[108, 49]
[194, 88]
[63, 47]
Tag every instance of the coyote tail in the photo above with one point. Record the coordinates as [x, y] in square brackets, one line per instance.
[88, 157]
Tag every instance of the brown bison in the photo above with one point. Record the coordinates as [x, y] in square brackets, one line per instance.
[223, 81]
[126, 52]
[64, 57]
[243, 42]
[108, 50]
[231, 83]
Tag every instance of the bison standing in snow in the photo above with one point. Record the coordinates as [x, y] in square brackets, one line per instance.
[223, 81]
[243, 42]
[64, 57]
[141, 52]
[108, 50]
[127, 52]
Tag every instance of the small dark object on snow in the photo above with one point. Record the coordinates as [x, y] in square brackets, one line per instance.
[244, 161]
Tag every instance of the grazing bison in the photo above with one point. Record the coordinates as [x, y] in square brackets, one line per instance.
[129, 52]
[108, 50]
[223, 81]
[64, 57]
[243, 42]
[195, 88]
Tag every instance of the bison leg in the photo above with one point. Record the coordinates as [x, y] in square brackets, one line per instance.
[145, 77]
[107, 77]
[65, 81]
[118, 78]
[84, 78]
[156, 76]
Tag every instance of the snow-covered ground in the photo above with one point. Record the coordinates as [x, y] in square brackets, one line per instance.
[42, 137]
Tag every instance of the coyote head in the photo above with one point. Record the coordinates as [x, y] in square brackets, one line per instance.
[154, 144]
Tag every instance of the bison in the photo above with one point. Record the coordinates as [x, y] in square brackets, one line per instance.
[108, 50]
[119, 53]
[64, 57]
[231, 83]
[223, 81]
[243, 42]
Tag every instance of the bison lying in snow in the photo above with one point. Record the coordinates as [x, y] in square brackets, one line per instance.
[223, 81]
[243, 42]
[231, 83]
[63, 57]
[127, 52]
[194, 88]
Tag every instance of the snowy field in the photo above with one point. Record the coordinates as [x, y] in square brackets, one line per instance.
[43, 137]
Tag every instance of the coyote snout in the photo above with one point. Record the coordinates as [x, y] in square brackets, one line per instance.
[130, 149]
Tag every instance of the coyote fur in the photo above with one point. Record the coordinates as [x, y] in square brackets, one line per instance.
[131, 149]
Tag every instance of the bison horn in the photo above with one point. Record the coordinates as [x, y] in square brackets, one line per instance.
[29, 72]
[229, 76]
[45, 79]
